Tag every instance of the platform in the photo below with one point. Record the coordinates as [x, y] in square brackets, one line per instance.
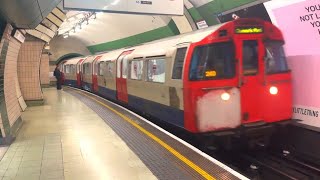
[77, 135]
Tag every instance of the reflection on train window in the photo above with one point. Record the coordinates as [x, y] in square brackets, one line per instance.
[72, 68]
[67, 69]
[136, 70]
[86, 68]
[124, 68]
[109, 68]
[250, 57]
[101, 67]
[214, 61]
[275, 57]
[156, 70]
[178, 63]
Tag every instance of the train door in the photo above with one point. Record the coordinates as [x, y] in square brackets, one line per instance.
[122, 73]
[79, 73]
[95, 74]
[251, 78]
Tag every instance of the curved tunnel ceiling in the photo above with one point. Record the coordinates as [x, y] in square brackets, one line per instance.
[110, 27]
[111, 30]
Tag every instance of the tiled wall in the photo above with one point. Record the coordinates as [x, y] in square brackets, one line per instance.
[44, 70]
[28, 70]
[2, 64]
[10, 108]
[13, 107]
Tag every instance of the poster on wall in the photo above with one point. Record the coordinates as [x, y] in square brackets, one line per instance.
[299, 21]
[164, 7]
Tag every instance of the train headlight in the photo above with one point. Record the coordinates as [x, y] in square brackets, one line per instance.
[273, 90]
[225, 96]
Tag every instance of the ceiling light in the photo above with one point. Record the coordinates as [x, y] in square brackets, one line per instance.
[71, 19]
[115, 2]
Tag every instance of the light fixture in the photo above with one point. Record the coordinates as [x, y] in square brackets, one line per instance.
[273, 90]
[66, 35]
[225, 96]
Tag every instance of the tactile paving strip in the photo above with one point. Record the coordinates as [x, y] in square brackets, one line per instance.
[161, 162]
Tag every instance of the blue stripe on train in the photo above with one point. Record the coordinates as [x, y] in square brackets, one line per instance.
[107, 93]
[69, 82]
[162, 112]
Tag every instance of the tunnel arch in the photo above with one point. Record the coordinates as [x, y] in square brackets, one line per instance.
[68, 56]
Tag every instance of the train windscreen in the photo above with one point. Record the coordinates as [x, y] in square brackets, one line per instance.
[214, 61]
[275, 57]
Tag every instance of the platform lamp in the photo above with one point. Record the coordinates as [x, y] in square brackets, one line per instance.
[66, 35]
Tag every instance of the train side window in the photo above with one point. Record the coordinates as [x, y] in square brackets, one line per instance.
[101, 66]
[86, 68]
[109, 68]
[125, 68]
[156, 70]
[136, 70]
[74, 69]
[178, 63]
[67, 69]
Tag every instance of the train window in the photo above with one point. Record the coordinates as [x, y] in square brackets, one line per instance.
[125, 67]
[119, 68]
[86, 68]
[109, 66]
[275, 57]
[73, 69]
[67, 69]
[178, 63]
[136, 70]
[101, 67]
[250, 57]
[214, 61]
[156, 70]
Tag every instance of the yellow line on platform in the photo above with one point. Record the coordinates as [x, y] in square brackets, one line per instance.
[158, 140]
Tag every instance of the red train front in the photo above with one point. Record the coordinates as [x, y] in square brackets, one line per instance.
[237, 76]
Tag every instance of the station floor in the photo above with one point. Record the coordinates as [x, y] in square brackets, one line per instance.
[64, 139]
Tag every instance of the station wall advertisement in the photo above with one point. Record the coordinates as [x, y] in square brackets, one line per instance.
[299, 21]
[166, 7]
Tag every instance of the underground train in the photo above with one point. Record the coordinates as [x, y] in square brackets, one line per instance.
[225, 79]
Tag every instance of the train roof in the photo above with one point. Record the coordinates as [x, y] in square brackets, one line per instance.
[74, 60]
[161, 46]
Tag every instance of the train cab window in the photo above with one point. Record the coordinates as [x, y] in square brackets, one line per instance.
[214, 61]
[136, 70]
[178, 63]
[156, 70]
[250, 57]
[275, 57]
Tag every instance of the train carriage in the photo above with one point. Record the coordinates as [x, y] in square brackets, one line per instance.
[222, 78]
[70, 72]
[106, 74]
